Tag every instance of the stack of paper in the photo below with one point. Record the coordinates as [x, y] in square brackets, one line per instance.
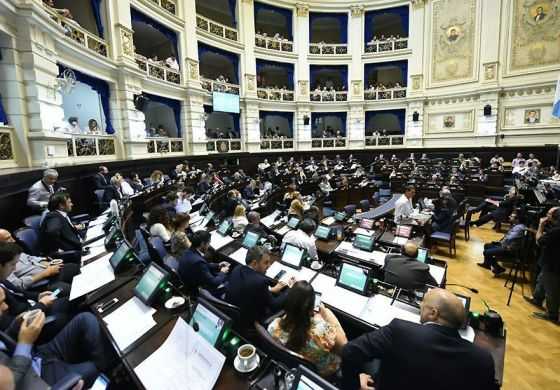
[218, 241]
[283, 230]
[92, 276]
[239, 255]
[379, 311]
[94, 232]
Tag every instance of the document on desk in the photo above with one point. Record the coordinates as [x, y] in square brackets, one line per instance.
[92, 276]
[217, 241]
[437, 272]
[346, 248]
[301, 274]
[95, 231]
[379, 311]
[129, 322]
[364, 232]
[98, 221]
[269, 220]
[95, 248]
[239, 255]
[184, 361]
[283, 230]
[400, 240]
[345, 300]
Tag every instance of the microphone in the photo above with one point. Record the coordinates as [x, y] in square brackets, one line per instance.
[474, 290]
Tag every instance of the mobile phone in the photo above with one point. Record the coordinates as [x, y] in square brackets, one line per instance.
[55, 293]
[280, 274]
[317, 301]
[100, 383]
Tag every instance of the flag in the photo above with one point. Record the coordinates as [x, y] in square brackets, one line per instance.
[556, 104]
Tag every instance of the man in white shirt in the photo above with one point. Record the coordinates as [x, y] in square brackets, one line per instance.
[303, 238]
[41, 191]
[403, 206]
[517, 161]
[532, 160]
[172, 63]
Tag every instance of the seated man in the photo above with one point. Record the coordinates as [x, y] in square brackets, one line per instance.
[251, 290]
[492, 210]
[113, 191]
[57, 231]
[101, 178]
[403, 205]
[506, 246]
[303, 238]
[196, 272]
[250, 190]
[405, 271]
[41, 191]
[77, 348]
[409, 352]
[254, 224]
[33, 269]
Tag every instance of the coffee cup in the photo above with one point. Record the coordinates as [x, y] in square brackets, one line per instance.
[56, 262]
[30, 315]
[247, 354]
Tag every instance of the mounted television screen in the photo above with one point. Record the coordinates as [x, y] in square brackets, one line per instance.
[225, 102]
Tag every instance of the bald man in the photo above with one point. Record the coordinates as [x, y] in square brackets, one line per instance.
[405, 271]
[430, 355]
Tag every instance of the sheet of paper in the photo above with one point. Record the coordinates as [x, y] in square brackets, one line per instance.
[346, 248]
[98, 221]
[437, 272]
[379, 311]
[184, 361]
[94, 232]
[129, 322]
[345, 300]
[95, 249]
[400, 240]
[322, 283]
[92, 276]
[217, 241]
[269, 220]
[467, 333]
[283, 230]
[302, 274]
[364, 232]
[239, 255]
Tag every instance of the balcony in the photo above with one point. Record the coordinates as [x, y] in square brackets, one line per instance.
[216, 28]
[385, 94]
[90, 145]
[387, 45]
[165, 145]
[272, 43]
[156, 70]
[167, 5]
[328, 48]
[218, 86]
[277, 144]
[77, 33]
[328, 142]
[223, 145]
[387, 140]
[328, 96]
[276, 95]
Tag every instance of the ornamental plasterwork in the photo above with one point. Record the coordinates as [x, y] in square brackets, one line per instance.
[302, 9]
[250, 78]
[356, 87]
[416, 81]
[490, 71]
[127, 42]
[303, 87]
[418, 3]
[357, 10]
[193, 69]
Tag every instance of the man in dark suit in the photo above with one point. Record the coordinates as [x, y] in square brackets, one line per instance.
[405, 271]
[196, 272]
[57, 231]
[249, 289]
[203, 185]
[233, 199]
[431, 355]
[101, 180]
[254, 224]
[113, 191]
[249, 190]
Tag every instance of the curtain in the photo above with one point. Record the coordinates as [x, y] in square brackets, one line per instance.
[288, 68]
[231, 57]
[289, 116]
[232, 7]
[341, 18]
[175, 105]
[316, 70]
[96, 7]
[315, 116]
[101, 87]
[169, 34]
[3, 116]
[400, 114]
[369, 69]
[401, 12]
[286, 13]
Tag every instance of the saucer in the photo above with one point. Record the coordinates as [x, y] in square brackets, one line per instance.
[315, 265]
[237, 364]
[174, 302]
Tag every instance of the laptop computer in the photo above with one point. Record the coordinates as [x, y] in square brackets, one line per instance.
[209, 322]
[123, 256]
[293, 222]
[404, 231]
[340, 216]
[152, 282]
[202, 224]
[363, 242]
[292, 256]
[353, 278]
[422, 255]
[250, 239]
[225, 228]
[323, 232]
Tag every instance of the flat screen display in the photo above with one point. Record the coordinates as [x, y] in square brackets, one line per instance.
[340, 216]
[422, 254]
[293, 222]
[223, 229]
[150, 282]
[366, 224]
[322, 232]
[250, 239]
[363, 242]
[119, 255]
[353, 277]
[292, 256]
[225, 102]
[209, 324]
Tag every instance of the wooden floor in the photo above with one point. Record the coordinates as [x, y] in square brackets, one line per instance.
[533, 346]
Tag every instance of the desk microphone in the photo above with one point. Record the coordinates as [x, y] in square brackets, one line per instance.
[474, 290]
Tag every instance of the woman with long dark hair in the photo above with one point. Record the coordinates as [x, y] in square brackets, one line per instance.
[317, 336]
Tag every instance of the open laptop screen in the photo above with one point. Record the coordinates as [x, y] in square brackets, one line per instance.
[353, 278]
[250, 240]
[292, 256]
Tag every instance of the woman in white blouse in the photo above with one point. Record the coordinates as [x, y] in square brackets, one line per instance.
[239, 219]
[160, 223]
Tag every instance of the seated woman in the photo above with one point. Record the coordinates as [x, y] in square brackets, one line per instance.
[179, 240]
[156, 178]
[317, 336]
[160, 223]
[239, 219]
[296, 206]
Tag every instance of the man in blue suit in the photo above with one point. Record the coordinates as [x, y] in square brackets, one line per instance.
[196, 272]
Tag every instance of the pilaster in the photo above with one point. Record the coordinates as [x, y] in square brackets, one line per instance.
[416, 41]
[356, 42]
[248, 61]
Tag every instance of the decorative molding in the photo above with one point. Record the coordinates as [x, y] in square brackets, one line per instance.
[248, 1]
[416, 81]
[357, 10]
[418, 3]
[356, 87]
[490, 71]
[302, 9]
[193, 69]
[127, 42]
[303, 88]
[250, 80]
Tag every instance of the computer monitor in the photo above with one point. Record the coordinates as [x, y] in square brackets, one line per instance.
[353, 277]
[225, 227]
[112, 237]
[323, 232]
[109, 223]
[366, 224]
[340, 216]
[250, 239]
[151, 283]
[422, 255]
[293, 222]
[292, 256]
[209, 322]
[123, 256]
[207, 218]
[363, 242]
[308, 380]
[403, 231]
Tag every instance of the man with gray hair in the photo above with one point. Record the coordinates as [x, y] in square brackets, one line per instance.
[40, 191]
[254, 224]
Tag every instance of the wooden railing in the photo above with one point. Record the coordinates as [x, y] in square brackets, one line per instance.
[272, 43]
[328, 48]
[328, 142]
[277, 143]
[328, 96]
[384, 140]
[165, 145]
[168, 5]
[216, 28]
[387, 45]
[385, 94]
[223, 145]
[90, 145]
[217, 86]
[77, 33]
[6, 145]
[275, 94]
[157, 71]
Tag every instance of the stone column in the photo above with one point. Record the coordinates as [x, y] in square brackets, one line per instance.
[356, 41]
[414, 129]
[416, 42]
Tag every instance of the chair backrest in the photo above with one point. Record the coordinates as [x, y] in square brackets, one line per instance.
[34, 222]
[159, 246]
[350, 209]
[29, 239]
[385, 192]
[228, 309]
[141, 247]
[364, 205]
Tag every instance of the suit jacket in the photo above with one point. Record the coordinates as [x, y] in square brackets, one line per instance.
[202, 187]
[249, 290]
[101, 182]
[17, 299]
[407, 272]
[111, 193]
[24, 375]
[195, 271]
[414, 356]
[248, 192]
[230, 206]
[57, 232]
[38, 196]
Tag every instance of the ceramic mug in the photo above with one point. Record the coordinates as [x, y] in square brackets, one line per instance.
[247, 354]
